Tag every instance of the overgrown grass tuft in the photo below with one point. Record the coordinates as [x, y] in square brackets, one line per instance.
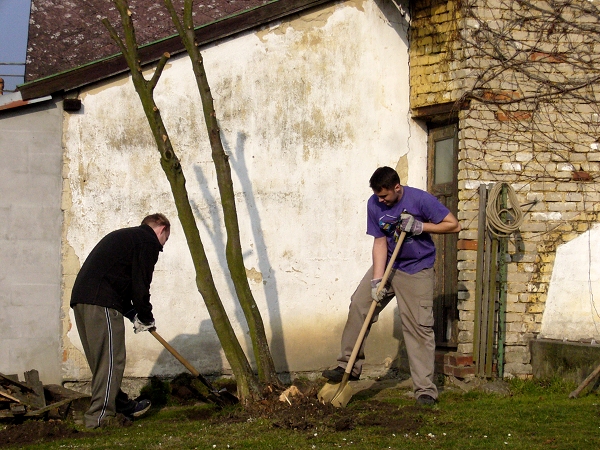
[541, 386]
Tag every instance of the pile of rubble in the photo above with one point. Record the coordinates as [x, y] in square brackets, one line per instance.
[30, 399]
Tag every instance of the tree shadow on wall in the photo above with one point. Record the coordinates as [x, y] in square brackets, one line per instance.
[269, 282]
[202, 351]
[211, 224]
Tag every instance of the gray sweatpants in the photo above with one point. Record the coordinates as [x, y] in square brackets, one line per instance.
[414, 294]
[102, 333]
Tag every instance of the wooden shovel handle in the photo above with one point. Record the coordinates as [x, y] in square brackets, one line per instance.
[367, 321]
[585, 382]
[174, 352]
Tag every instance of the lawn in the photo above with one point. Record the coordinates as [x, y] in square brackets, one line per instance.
[534, 415]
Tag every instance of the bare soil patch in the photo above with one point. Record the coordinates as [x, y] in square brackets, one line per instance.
[301, 411]
[32, 431]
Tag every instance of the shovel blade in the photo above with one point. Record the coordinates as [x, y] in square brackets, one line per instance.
[327, 392]
[338, 394]
[228, 397]
[344, 396]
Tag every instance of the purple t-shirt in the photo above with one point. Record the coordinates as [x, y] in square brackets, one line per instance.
[417, 252]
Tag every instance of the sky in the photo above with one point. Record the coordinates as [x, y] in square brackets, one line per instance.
[14, 25]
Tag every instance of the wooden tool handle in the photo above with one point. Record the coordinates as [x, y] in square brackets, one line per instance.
[585, 382]
[388, 269]
[174, 352]
[367, 321]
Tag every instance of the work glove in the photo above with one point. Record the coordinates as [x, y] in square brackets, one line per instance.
[377, 296]
[413, 226]
[130, 315]
[138, 326]
[391, 228]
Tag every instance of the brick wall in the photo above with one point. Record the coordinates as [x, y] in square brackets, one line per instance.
[434, 53]
[521, 128]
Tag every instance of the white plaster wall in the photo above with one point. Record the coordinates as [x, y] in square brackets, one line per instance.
[573, 305]
[308, 108]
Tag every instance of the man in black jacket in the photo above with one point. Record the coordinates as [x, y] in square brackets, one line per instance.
[113, 282]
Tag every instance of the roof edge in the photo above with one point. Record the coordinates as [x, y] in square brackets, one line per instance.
[150, 53]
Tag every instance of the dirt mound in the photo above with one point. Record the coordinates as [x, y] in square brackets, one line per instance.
[32, 431]
[303, 411]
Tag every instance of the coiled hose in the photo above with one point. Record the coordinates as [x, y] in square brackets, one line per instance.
[514, 213]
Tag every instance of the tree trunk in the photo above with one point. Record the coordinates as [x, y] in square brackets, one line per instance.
[247, 385]
[235, 260]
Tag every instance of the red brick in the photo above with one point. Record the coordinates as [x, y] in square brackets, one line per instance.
[513, 116]
[455, 359]
[581, 175]
[463, 372]
[546, 57]
[467, 244]
[501, 96]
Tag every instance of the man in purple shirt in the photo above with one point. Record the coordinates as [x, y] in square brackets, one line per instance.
[411, 280]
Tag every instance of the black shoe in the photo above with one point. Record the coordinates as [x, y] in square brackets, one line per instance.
[337, 374]
[426, 400]
[141, 408]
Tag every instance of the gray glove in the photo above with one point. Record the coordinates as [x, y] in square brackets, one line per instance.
[413, 226]
[138, 326]
[377, 296]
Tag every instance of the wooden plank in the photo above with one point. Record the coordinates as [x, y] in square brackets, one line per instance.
[478, 354]
[7, 396]
[449, 109]
[13, 379]
[18, 409]
[485, 308]
[489, 352]
[151, 53]
[37, 398]
[37, 412]
[57, 391]
[16, 394]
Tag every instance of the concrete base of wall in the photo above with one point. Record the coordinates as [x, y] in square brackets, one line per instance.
[567, 360]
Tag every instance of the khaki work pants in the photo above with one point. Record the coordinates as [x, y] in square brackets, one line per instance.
[414, 294]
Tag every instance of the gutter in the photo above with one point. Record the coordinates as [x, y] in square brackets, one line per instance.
[14, 100]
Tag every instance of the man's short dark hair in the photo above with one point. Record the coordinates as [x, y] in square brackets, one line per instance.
[384, 178]
[157, 220]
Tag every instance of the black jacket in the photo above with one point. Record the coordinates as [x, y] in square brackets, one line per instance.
[118, 272]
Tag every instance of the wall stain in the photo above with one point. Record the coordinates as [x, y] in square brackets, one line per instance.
[71, 356]
[254, 275]
[402, 168]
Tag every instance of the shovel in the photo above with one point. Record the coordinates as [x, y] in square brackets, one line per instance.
[340, 394]
[220, 398]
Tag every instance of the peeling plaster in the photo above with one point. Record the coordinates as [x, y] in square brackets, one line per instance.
[254, 275]
[402, 169]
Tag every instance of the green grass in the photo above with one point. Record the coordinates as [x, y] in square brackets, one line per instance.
[538, 415]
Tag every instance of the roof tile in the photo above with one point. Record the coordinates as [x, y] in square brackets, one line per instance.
[65, 34]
